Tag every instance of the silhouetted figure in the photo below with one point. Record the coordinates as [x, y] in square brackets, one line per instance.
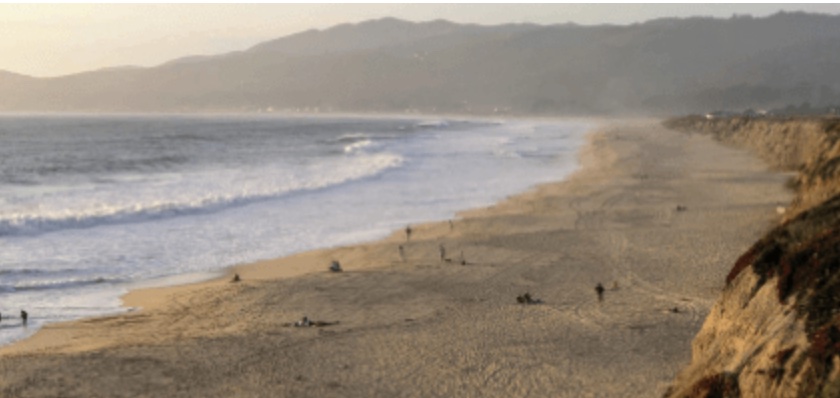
[442, 252]
[335, 266]
[527, 299]
[1, 317]
[600, 290]
[236, 278]
[306, 322]
[402, 254]
[24, 317]
[407, 232]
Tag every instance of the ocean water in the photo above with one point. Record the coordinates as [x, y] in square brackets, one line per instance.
[92, 206]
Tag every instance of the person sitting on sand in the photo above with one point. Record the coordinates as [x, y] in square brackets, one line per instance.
[335, 266]
[236, 278]
[600, 290]
[303, 323]
[527, 299]
[306, 322]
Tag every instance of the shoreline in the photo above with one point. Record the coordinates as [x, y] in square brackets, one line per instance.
[436, 328]
[143, 297]
[347, 234]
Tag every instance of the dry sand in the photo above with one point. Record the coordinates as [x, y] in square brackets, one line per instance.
[423, 327]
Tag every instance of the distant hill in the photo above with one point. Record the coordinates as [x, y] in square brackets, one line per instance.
[389, 65]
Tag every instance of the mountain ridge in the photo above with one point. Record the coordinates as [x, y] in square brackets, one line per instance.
[389, 65]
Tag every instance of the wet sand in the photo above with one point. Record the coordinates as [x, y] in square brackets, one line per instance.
[423, 327]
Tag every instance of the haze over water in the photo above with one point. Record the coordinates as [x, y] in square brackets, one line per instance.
[92, 206]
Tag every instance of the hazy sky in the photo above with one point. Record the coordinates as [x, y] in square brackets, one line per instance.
[51, 40]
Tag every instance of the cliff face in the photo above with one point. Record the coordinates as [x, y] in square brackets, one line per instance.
[775, 331]
[810, 146]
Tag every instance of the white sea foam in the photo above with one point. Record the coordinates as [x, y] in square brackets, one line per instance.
[187, 195]
[70, 251]
[433, 124]
[358, 146]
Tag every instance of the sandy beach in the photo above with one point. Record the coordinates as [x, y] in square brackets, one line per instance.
[422, 327]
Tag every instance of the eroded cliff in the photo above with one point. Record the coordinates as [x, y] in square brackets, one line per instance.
[775, 330]
[810, 146]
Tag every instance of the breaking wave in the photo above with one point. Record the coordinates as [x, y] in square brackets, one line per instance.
[199, 200]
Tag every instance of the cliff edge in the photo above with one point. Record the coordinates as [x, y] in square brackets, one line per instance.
[775, 330]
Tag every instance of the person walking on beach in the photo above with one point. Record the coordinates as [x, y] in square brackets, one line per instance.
[442, 252]
[335, 266]
[24, 317]
[600, 290]
[407, 232]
